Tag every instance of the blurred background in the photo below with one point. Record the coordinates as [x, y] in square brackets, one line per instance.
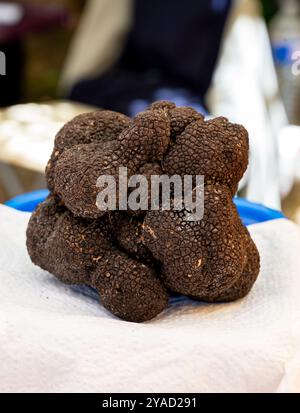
[236, 58]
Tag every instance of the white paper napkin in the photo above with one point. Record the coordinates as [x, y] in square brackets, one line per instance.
[57, 338]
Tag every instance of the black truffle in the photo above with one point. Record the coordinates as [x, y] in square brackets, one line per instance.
[134, 258]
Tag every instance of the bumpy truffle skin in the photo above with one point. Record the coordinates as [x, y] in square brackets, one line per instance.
[129, 236]
[147, 171]
[66, 246]
[135, 258]
[203, 258]
[78, 168]
[245, 282]
[98, 126]
[179, 117]
[162, 105]
[41, 225]
[79, 251]
[129, 289]
[216, 149]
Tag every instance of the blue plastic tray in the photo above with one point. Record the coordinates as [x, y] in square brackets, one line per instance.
[250, 213]
[29, 201]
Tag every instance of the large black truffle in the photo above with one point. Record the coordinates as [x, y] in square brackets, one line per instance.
[135, 258]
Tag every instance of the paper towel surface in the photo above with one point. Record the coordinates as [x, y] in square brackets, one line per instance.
[57, 338]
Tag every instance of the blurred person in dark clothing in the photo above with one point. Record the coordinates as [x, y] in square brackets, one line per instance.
[169, 52]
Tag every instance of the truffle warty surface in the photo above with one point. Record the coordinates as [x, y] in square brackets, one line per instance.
[136, 259]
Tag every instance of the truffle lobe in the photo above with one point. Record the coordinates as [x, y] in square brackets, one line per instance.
[216, 149]
[80, 251]
[199, 258]
[97, 126]
[129, 289]
[78, 168]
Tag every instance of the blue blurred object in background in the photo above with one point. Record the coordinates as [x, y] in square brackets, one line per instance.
[249, 212]
[252, 213]
[180, 96]
[29, 201]
[219, 5]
